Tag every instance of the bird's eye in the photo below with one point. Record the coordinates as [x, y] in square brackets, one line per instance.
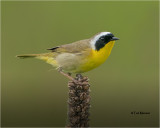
[102, 38]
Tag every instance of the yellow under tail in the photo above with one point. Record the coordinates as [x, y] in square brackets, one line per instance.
[47, 57]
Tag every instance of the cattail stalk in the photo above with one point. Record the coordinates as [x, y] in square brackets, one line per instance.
[78, 102]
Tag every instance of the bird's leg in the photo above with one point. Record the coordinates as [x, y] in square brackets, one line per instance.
[66, 75]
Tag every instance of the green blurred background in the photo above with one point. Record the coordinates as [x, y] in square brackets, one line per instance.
[34, 94]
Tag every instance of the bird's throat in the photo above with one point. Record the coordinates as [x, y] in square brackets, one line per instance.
[100, 56]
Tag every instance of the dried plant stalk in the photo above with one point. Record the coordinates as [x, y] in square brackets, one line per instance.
[79, 102]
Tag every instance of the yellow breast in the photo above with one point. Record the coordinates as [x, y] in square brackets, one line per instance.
[96, 58]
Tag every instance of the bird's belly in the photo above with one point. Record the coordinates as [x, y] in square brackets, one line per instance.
[89, 65]
[69, 62]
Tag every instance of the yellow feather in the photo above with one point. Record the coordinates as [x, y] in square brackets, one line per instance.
[49, 60]
[97, 57]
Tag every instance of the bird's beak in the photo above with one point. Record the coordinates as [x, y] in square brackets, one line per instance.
[115, 38]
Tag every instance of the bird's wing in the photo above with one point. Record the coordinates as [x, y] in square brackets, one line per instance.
[76, 47]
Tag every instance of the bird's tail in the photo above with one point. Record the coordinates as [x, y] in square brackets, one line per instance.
[48, 57]
[28, 56]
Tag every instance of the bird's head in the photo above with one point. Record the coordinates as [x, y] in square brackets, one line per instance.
[101, 39]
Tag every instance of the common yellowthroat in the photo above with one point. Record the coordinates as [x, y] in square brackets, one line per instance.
[80, 56]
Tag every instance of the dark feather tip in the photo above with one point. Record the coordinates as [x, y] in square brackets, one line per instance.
[53, 48]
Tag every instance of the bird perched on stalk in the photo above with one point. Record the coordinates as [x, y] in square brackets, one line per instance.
[80, 56]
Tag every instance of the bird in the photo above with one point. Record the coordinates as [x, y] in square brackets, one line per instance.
[80, 56]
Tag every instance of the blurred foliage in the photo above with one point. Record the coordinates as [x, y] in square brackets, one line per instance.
[34, 94]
